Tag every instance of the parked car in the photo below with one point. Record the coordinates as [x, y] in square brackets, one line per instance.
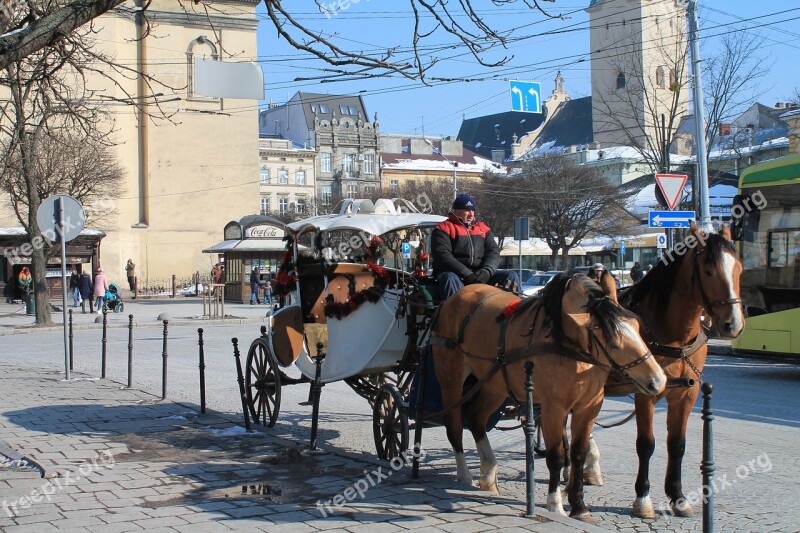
[526, 273]
[536, 283]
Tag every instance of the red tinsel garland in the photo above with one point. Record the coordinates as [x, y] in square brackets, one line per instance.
[285, 279]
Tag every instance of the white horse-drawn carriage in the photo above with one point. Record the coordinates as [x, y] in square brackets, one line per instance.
[362, 304]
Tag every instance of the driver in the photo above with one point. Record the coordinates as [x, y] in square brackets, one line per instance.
[596, 272]
[464, 252]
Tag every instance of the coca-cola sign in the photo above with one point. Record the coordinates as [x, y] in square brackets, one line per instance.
[264, 231]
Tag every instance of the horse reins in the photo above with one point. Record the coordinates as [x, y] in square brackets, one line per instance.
[707, 303]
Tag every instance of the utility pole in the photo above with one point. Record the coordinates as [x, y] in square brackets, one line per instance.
[699, 118]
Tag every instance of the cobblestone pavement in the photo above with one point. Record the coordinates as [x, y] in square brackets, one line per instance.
[118, 460]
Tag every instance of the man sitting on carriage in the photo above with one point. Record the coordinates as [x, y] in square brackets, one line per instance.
[464, 252]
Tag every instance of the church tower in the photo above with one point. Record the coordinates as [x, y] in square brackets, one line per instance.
[639, 70]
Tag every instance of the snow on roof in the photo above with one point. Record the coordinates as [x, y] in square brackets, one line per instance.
[478, 165]
[19, 231]
[728, 153]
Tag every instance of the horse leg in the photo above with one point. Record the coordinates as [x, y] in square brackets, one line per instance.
[592, 475]
[554, 431]
[451, 384]
[645, 445]
[678, 408]
[581, 428]
[480, 408]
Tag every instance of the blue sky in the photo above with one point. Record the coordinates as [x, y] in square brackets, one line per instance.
[406, 106]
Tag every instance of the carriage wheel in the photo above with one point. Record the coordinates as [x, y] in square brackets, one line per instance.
[390, 422]
[367, 386]
[263, 383]
[120, 307]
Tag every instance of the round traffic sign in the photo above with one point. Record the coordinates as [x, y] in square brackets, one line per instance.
[661, 241]
[48, 213]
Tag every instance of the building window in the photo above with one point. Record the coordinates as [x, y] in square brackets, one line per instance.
[283, 177]
[264, 175]
[323, 108]
[353, 110]
[352, 191]
[326, 194]
[283, 204]
[621, 80]
[661, 82]
[300, 177]
[395, 185]
[347, 163]
[369, 164]
[301, 205]
[325, 162]
[265, 205]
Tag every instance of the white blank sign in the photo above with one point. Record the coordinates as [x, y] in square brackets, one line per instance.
[228, 80]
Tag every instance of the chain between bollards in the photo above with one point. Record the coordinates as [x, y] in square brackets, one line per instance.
[240, 379]
[105, 342]
[707, 465]
[202, 366]
[164, 363]
[130, 351]
[71, 348]
[530, 435]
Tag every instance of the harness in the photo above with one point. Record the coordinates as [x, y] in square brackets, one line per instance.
[504, 358]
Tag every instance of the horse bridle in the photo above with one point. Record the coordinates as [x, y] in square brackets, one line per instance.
[707, 303]
[594, 341]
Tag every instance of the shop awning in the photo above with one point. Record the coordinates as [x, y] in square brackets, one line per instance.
[247, 245]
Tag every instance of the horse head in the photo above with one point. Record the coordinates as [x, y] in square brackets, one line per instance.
[716, 270]
[591, 318]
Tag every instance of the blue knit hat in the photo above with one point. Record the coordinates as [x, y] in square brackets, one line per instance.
[464, 201]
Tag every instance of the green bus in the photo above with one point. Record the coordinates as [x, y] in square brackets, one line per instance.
[766, 216]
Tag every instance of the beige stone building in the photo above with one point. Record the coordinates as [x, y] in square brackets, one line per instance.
[186, 177]
[287, 177]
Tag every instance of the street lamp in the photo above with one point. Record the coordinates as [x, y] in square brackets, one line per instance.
[455, 165]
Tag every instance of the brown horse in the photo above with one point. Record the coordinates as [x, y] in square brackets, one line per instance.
[574, 332]
[700, 277]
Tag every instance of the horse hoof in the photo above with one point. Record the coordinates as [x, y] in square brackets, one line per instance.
[491, 487]
[596, 480]
[682, 508]
[583, 516]
[643, 508]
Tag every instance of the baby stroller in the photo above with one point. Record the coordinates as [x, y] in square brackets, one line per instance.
[112, 300]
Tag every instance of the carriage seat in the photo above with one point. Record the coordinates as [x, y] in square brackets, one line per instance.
[344, 279]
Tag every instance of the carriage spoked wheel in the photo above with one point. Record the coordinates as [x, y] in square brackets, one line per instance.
[263, 383]
[390, 422]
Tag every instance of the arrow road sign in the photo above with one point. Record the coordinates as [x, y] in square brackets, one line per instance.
[526, 96]
[670, 219]
[671, 186]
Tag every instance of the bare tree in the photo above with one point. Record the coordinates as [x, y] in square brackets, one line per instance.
[56, 131]
[459, 21]
[564, 201]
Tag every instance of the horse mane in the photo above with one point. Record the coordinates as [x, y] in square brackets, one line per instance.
[659, 282]
[607, 313]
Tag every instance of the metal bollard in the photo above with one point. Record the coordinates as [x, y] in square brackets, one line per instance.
[104, 344]
[317, 393]
[164, 363]
[130, 351]
[71, 349]
[530, 435]
[240, 378]
[707, 465]
[202, 371]
[419, 416]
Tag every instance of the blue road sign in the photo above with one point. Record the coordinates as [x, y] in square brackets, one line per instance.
[670, 219]
[622, 246]
[526, 96]
[406, 250]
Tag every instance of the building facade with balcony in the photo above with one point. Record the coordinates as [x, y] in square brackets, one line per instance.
[287, 176]
[337, 129]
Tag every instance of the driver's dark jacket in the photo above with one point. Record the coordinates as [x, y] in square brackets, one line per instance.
[462, 250]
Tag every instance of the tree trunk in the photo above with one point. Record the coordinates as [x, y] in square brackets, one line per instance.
[565, 258]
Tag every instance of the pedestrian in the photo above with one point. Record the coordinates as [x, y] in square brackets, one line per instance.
[100, 288]
[130, 271]
[465, 252]
[85, 289]
[73, 288]
[255, 280]
[25, 282]
[268, 293]
[636, 272]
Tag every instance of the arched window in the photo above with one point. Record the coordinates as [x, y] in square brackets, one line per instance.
[202, 47]
[621, 80]
[661, 82]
